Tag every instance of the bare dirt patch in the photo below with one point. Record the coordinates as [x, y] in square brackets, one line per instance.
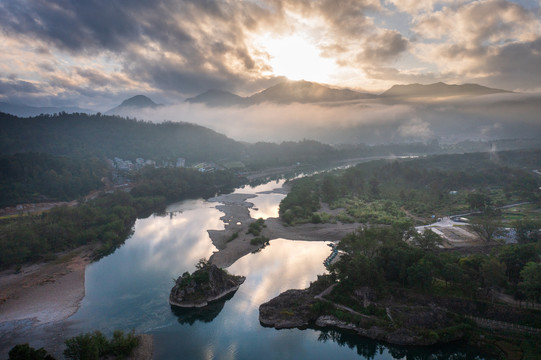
[45, 292]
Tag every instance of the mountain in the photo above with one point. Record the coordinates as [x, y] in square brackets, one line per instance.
[286, 92]
[217, 98]
[25, 110]
[102, 135]
[439, 90]
[137, 102]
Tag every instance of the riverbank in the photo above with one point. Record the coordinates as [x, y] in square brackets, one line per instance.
[45, 292]
[234, 241]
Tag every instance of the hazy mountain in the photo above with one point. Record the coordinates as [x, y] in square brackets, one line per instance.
[136, 102]
[286, 92]
[305, 92]
[25, 110]
[439, 90]
[215, 98]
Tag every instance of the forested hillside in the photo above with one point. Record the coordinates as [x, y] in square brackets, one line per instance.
[83, 134]
[35, 177]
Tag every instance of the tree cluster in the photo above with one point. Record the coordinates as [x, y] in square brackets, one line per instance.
[379, 258]
[38, 177]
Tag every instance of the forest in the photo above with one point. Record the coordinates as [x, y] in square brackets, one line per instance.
[105, 222]
[39, 177]
[387, 263]
[381, 192]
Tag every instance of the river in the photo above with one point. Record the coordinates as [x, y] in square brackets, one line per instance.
[129, 289]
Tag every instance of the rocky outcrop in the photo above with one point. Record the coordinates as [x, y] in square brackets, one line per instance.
[397, 324]
[291, 309]
[209, 283]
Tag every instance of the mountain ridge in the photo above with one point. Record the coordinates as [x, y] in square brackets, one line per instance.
[135, 102]
[439, 89]
[23, 110]
[305, 92]
[285, 92]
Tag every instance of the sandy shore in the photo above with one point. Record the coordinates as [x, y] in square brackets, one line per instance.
[237, 219]
[47, 292]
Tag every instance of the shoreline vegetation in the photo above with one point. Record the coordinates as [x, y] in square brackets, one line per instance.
[412, 287]
[235, 241]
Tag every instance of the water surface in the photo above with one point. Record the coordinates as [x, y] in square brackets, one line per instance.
[129, 289]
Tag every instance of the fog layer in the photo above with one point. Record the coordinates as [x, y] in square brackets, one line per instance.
[369, 121]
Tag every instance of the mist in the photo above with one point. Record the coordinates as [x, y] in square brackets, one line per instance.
[366, 121]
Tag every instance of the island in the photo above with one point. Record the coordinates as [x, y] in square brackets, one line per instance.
[208, 283]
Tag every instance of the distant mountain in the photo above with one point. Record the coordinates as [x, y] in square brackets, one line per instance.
[136, 102]
[305, 92]
[439, 90]
[286, 92]
[25, 110]
[215, 98]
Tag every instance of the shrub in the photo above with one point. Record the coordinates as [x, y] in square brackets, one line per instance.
[93, 346]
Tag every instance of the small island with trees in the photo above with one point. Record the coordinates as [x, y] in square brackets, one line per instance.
[208, 283]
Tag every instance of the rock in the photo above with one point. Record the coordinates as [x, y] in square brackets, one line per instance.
[208, 283]
[410, 324]
[290, 309]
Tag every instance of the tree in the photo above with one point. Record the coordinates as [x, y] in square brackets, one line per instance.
[26, 352]
[452, 273]
[486, 227]
[531, 280]
[202, 263]
[86, 346]
[515, 257]
[493, 273]
[526, 229]
[329, 189]
[428, 240]
[478, 201]
[420, 275]
[374, 187]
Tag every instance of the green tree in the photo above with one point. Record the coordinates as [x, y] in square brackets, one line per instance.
[478, 201]
[515, 257]
[526, 229]
[492, 272]
[26, 352]
[428, 240]
[531, 280]
[452, 273]
[88, 346]
[420, 275]
[329, 189]
[486, 227]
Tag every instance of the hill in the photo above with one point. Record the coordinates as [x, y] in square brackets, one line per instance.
[26, 110]
[136, 102]
[286, 92]
[439, 89]
[217, 98]
[83, 134]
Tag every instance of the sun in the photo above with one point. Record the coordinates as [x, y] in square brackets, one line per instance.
[297, 59]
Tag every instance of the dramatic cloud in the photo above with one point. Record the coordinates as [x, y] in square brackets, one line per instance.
[495, 41]
[97, 52]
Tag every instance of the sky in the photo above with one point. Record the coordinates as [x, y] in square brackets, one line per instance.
[96, 53]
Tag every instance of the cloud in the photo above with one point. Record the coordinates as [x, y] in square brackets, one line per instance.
[179, 48]
[14, 87]
[479, 23]
[492, 41]
[149, 38]
[382, 47]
